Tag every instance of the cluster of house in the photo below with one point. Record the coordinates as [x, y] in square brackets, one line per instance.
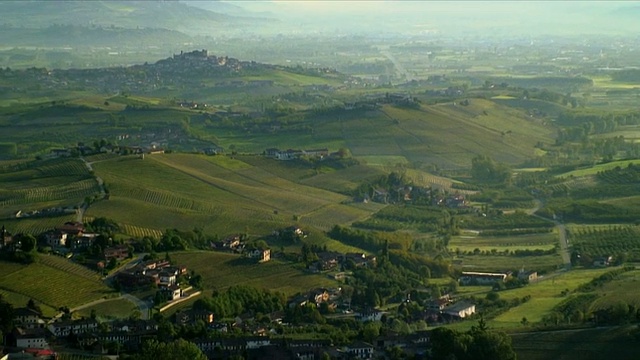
[486, 278]
[33, 335]
[154, 272]
[72, 236]
[331, 260]
[410, 193]
[291, 154]
[266, 348]
[236, 244]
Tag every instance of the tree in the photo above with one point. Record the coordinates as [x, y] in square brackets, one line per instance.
[27, 243]
[484, 169]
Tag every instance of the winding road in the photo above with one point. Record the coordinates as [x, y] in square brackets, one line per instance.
[83, 208]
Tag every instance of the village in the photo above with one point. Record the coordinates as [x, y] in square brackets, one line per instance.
[37, 335]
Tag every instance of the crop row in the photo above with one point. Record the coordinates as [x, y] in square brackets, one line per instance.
[140, 232]
[53, 287]
[606, 241]
[68, 266]
[75, 190]
[69, 167]
[37, 226]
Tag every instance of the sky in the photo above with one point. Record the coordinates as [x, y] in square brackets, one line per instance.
[573, 17]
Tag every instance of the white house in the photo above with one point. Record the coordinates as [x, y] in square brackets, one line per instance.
[31, 339]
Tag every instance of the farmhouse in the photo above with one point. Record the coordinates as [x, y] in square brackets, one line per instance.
[172, 292]
[30, 338]
[529, 276]
[119, 252]
[56, 238]
[28, 318]
[481, 278]
[460, 310]
[261, 255]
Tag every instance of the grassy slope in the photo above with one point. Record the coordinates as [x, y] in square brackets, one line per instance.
[221, 270]
[545, 295]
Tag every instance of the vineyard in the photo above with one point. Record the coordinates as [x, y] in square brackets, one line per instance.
[65, 265]
[45, 184]
[605, 241]
[53, 287]
[36, 226]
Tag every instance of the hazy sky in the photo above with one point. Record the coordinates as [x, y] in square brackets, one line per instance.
[504, 16]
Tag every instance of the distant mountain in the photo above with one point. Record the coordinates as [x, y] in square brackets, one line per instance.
[91, 36]
[171, 15]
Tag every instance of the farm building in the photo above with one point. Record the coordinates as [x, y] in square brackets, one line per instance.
[460, 310]
[481, 278]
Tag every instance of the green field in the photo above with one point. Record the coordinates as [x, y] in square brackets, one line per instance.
[221, 270]
[598, 168]
[544, 296]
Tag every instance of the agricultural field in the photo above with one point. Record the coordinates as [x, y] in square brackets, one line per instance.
[469, 243]
[605, 240]
[492, 263]
[221, 270]
[54, 286]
